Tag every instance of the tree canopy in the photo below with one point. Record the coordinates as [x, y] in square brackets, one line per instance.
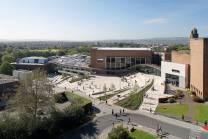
[6, 68]
[119, 133]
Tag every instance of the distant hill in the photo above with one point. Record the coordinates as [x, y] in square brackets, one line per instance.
[143, 42]
[156, 41]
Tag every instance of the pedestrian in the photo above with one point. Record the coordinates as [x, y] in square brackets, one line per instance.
[182, 117]
[112, 112]
[123, 110]
[120, 111]
[129, 120]
[116, 115]
[106, 101]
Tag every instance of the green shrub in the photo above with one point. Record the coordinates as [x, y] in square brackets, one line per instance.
[132, 129]
[179, 94]
[60, 98]
[197, 99]
[171, 100]
[119, 133]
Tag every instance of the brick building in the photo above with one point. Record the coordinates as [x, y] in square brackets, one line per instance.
[119, 59]
[189, 68]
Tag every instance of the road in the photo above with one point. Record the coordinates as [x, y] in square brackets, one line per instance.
[96, 127]
[105, 119]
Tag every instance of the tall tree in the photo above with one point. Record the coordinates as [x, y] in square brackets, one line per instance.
[6, 68]
[34, 98]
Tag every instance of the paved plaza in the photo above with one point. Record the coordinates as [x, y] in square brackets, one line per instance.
[96, 84]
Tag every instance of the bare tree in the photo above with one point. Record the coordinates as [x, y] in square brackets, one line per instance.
[112, 87]
[34, 98]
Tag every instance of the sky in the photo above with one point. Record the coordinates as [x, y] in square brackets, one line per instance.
[85, 20]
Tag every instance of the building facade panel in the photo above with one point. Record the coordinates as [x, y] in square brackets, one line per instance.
[205, 80]
[174, 73]
[182, 57]
[197, 66]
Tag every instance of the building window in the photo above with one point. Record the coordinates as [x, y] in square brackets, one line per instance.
[138, 61]
[142, 60]
[176, 71]
[36, 60]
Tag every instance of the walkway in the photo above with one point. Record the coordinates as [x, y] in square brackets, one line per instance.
[95, 128]
[151, 99]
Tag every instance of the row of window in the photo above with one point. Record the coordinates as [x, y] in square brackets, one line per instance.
[176, 71]
[125, 62]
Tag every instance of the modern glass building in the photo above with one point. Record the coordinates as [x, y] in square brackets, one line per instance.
[117, 59]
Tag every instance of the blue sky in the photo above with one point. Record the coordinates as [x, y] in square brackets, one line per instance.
[101, 19]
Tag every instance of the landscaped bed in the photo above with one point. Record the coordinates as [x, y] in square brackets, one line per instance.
[106, 97]
[74, 98]
[138, 134]
[173, 109]
[135, 99]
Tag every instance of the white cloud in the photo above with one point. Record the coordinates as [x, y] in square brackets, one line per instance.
[155, 21]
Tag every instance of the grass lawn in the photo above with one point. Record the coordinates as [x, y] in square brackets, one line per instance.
[201, 112]
[135, 99]
[74, 98]
[173, 109]
[138, 134]
[106, 97]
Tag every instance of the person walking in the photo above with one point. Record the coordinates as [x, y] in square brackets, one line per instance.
[129, 120]
[120, 111]
[112, 111]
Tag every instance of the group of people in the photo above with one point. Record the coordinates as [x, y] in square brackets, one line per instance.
[116, 113]
[121, 112]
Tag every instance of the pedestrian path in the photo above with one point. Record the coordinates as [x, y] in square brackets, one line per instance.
[151, 98]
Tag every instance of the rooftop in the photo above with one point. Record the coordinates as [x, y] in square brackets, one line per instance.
[123, 49]
[35, 57]
[182, 51]
[6, 79]
[73, 60]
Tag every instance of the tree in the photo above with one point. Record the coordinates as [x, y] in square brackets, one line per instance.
[61, 52]
[104, 88]
[7, 58]
[119, 133]
[6, 68]
[34, 98]
[112, 87]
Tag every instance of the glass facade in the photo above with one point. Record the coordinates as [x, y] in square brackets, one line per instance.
[117, 63]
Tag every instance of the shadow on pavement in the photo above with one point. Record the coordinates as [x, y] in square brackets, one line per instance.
[95, 109]
[86, 131]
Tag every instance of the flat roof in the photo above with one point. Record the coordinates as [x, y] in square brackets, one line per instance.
[34, 57]
[33, 64]
[123, 49]
[7, 79]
